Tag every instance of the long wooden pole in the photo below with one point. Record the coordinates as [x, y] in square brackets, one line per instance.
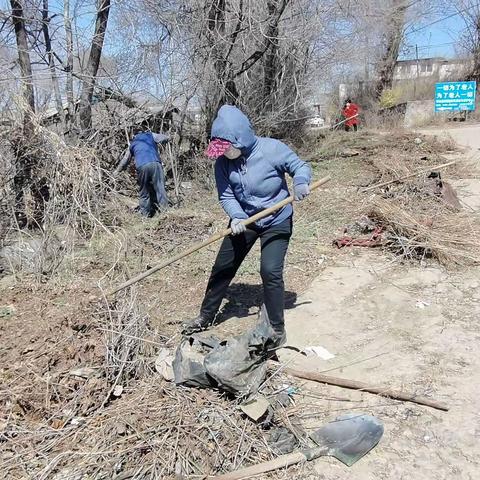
[212, 239]
[355, 385]
[282, 461]
[430, 169]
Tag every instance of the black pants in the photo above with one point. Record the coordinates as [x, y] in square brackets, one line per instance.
[151, 182]
[274, 243]
[354, 126]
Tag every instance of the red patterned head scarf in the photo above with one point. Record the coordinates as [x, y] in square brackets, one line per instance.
[217, 147]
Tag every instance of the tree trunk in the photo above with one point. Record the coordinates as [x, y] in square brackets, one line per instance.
[85, 109]
[51, 65]
[23, 61]
[69, 67]
[395, 27]
[226, 89]
[275, 11]
[23, 162]
[216, 28]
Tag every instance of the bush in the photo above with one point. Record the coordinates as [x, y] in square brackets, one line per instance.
[390, 97]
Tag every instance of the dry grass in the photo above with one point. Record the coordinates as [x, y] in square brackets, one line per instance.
[156, 430]
[54, 424]
[452, 238]
[419, 223]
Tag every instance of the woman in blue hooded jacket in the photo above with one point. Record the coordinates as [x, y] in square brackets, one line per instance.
[250, 176]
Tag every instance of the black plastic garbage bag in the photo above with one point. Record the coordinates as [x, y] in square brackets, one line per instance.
[282, 441]
[236, 365]
[188, 364]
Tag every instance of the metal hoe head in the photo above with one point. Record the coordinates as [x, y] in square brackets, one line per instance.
[349, 437]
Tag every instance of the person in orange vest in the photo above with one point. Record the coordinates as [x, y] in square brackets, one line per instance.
[350, 112]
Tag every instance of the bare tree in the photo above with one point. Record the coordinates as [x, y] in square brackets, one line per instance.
[275, 11]
[24, 62]
[23, 161]
[469, 11]
[89, 77]
[69, 62]
[395, 24]
[51, 64]
[247, 53]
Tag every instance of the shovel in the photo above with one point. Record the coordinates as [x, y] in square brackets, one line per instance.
[348, 438]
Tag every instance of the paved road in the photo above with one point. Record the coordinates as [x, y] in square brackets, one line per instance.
[464, 135]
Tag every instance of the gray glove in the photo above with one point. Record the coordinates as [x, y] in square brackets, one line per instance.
[300, 191]
[237, 226]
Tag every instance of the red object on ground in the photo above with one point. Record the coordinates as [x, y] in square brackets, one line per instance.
[375, 240]
[350, 111]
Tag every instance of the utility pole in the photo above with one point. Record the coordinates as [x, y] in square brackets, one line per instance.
[418, 75]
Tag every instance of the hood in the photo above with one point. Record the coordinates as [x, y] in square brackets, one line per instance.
[233, 125]
[141, 136]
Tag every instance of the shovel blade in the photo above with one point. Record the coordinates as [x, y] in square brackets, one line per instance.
[349, 437]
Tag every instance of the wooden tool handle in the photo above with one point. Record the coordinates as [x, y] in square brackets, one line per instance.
[411, 175]
[355, 385]
[212, 239]
[280, 462]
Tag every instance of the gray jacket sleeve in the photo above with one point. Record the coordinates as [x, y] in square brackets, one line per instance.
[127, 156]
[160, 137]
[287, 161]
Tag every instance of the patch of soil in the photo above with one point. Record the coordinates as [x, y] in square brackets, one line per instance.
[50, 336]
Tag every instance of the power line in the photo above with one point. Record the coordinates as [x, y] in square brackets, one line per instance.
[438, 21]
[429, 47]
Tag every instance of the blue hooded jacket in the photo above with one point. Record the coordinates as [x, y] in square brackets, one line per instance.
[256, 180]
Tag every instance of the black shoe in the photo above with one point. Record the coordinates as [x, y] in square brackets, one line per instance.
[198, 324]
[276, 340]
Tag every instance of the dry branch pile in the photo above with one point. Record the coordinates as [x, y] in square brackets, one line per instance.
[439, 233]
[64, 199]
[103, 412]
[159, 431]
[421, 216]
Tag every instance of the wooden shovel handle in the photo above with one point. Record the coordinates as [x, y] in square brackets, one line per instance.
[280, 462]
[212, 239]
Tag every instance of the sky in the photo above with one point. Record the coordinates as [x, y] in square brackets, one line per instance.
[437, 40]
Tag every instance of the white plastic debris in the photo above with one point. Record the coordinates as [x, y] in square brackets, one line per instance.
[7, 311]
[318, 351]
[421, 304]
[163, 364]
[77, 421]
[83, 372]
[118, 390]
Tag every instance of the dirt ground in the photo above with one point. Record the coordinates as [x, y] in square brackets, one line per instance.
[391, 323]
[409, 328]
[404, 327]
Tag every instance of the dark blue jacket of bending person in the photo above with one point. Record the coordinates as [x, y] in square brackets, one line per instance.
[143, 148]
[150, 177]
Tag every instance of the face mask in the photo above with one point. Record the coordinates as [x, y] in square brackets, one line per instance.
[232, 153]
